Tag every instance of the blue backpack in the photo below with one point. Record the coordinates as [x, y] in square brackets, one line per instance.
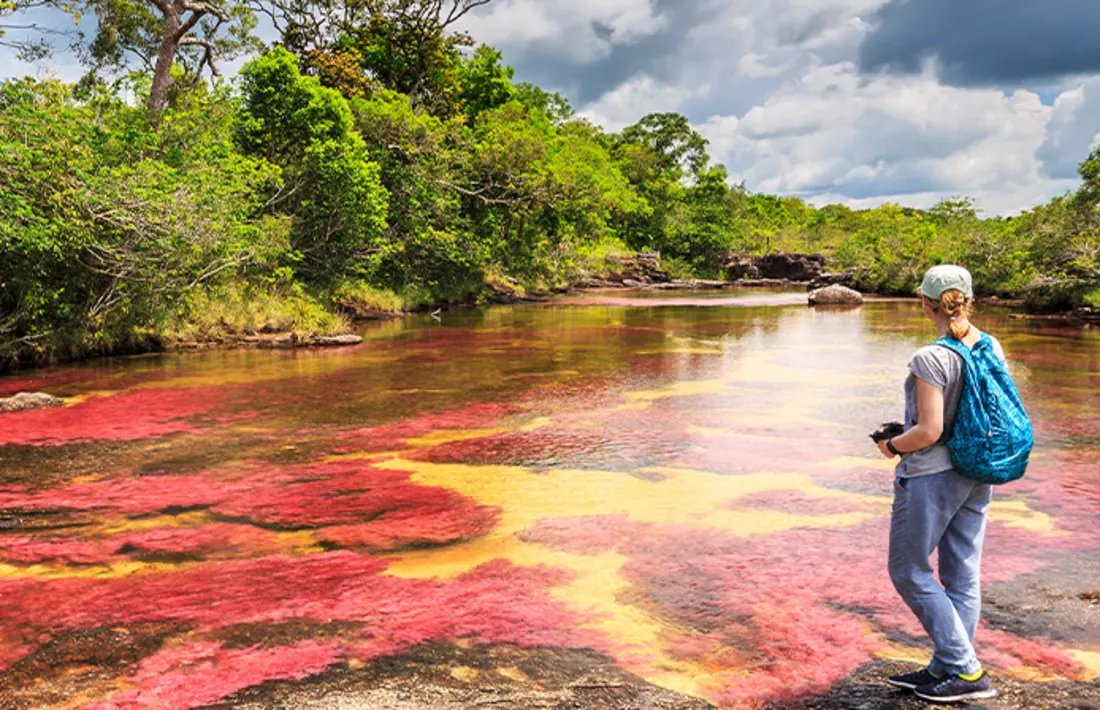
[992, 437]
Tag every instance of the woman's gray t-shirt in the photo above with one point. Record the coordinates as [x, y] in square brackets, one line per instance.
[943, 368]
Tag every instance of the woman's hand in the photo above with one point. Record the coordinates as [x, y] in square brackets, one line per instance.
[885, 451]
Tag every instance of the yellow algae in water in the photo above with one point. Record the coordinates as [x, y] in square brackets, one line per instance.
[464, 674]
[1090, 660]
[684, 496]
[898, 652]
[116, 526]
[641, 399]
[120, 569]
[536, 424]
[1017, 514]
[512, 673]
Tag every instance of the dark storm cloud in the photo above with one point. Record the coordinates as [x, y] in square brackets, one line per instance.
[985, 42]
[661, 55]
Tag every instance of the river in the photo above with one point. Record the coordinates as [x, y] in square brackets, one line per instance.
[680, 488]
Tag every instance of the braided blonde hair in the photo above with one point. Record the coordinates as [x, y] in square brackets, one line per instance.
[957, 307]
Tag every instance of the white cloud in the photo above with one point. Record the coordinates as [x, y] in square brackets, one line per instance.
[636, 98]
[863, 141]
[576, 31]
[1074, 129]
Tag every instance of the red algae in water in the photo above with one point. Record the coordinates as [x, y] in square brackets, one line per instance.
[418, 526]
[393, 436]
[495, 603]
[355, 493]
[137, 414]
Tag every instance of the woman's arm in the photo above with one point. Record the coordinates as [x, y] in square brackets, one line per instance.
[929, 426]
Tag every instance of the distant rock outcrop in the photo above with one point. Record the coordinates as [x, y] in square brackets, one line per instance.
[835, 295]
[630, 272]
[26, 401]
[779, 266]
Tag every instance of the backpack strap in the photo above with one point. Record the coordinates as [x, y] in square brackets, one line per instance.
[967, 355]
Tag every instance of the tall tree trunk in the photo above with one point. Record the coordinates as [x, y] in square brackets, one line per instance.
[162, 73]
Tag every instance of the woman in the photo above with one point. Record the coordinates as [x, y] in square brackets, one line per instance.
[936, 507]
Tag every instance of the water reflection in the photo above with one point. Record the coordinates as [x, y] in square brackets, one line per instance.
[683, 484]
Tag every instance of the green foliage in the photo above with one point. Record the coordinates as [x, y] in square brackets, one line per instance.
[424, 250]
[486, 82]
[104, 225]
[532, 186]
[283, 113]
[364, 300]
[330, 188]
[555, 106]
[249, 308]
[676, 148]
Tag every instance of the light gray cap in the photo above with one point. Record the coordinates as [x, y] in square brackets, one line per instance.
[944, 278]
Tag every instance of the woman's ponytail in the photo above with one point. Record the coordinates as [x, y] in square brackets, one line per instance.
[957, 307]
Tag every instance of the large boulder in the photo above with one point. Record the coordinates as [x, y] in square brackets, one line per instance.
[835, 295]
[25, 401]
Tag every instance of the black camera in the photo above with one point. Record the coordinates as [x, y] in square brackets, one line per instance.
[888, 431]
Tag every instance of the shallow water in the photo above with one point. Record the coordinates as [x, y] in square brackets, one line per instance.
[682, 483]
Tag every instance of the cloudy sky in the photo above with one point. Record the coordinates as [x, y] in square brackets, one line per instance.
[853, 101]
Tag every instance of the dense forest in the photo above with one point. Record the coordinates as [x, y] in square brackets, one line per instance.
[377, 158]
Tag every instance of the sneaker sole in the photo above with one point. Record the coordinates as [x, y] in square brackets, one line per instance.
[980, 695]
[903, 686]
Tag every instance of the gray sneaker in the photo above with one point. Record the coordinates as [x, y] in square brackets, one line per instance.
[954, 689]
[912, 681]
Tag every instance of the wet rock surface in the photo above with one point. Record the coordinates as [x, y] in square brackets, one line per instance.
[334, 341]
[779, 266]
[78, 663]
[450, 676]
[835, 295]
[26, 401]
[1058, 602]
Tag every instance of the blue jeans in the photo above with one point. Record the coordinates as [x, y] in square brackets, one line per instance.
[945, 511]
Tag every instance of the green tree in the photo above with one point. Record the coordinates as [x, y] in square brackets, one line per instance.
[556, 107]
[174, 41]
[428, 249]
[407, 46]
[486, 82]
[678, 150]
[532, 187]
[103, 228]
[330, 187]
